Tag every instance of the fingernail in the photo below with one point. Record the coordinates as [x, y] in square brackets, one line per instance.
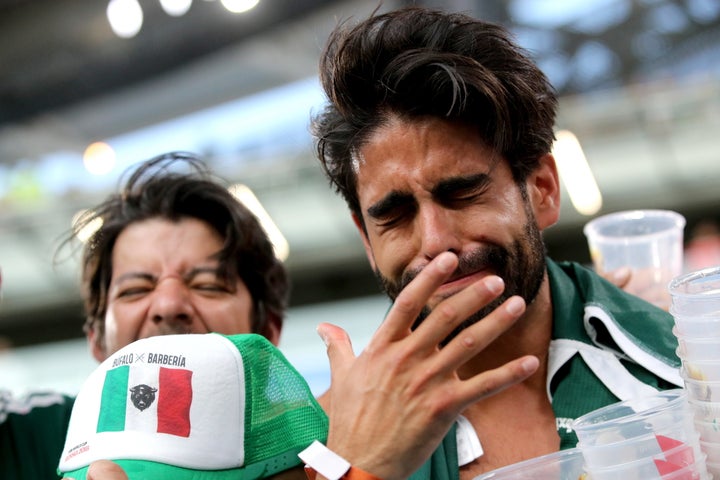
[494, 284]
[446, 262]
[322, 335]
[515, 305]
[530, 364]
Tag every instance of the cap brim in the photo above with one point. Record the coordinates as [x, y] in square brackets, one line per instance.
[144, 470]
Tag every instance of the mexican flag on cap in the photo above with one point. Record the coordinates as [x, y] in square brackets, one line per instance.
[149, 399]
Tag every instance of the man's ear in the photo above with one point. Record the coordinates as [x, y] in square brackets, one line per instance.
[363, 236]
[96, 344]
[272, 328]
[543, 186]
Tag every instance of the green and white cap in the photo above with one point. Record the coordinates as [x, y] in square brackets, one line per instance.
[195, 406]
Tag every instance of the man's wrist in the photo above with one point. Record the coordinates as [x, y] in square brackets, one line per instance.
[321, 460]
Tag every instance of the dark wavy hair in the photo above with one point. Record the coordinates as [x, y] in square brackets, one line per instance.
[174, 186]
[417, 62]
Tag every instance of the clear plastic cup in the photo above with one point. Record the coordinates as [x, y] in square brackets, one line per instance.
[696, 326]
[693, 472]
[708, 431]
[712, 450]
[652, 444]
[696, 294]
[632, 418]
[705, 411]
[697, 348]
[650, 242]
[704, 390]
[705, 370]
[713, 469]
[563, 465]
[671, 463]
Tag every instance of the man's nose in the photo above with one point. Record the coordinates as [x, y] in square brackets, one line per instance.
[171, 302]
[437, 231]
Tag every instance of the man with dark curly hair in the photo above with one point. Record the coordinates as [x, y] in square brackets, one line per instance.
[175, 253]
[438, 133]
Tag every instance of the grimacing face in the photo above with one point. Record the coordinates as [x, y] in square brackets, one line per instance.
[165, 281]
[429, 186]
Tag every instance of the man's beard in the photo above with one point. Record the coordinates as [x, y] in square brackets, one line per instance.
[521, 266]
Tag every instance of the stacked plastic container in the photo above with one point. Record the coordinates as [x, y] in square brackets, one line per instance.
[562, 465]
[696, 309]
[645, 438]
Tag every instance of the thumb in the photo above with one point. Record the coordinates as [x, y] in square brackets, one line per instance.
[106, 470]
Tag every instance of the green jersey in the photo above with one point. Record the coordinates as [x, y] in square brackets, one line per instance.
[32, 434]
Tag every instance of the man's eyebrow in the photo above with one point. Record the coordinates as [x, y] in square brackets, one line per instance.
[134, 276]
[454, 184]
[388, 203]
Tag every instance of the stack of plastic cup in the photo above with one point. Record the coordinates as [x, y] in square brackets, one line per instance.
[645, 438]
[562, 465]
[695, 306]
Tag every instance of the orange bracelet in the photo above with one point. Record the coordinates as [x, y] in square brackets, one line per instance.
[353, 474]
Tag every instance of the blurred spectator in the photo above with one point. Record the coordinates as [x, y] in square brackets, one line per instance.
[176, 253]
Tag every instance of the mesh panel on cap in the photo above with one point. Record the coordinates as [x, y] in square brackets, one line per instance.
[282, 414]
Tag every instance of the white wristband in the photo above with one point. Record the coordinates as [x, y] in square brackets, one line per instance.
[324, 461]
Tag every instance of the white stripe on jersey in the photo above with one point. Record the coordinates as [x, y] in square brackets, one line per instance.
[23, 405]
